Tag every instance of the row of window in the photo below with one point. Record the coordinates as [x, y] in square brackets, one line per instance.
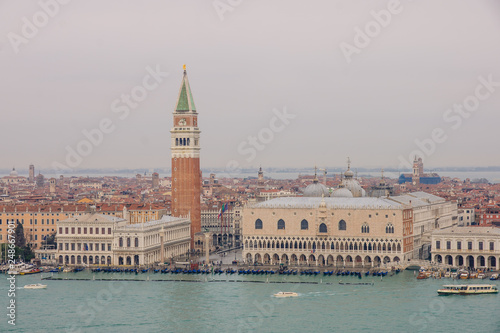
[304, 225]
[84, 246]
[78, 230]
[31, 221]
[184, 142]
[469, 245]
[136, 242]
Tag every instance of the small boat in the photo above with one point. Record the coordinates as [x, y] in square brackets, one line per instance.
[494, 277]
[481, 276]
[356, 283]
[68, 270]
[464, 276]
[286, 294]
[468, 289]
[447, 274]
[30, 271]
[35, 286]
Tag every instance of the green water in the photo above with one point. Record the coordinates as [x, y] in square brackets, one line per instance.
[398, 303]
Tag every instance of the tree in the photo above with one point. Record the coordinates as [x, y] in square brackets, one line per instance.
[51, 240]
[20, 239]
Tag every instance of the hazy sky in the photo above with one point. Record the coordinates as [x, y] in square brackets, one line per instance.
[366, 95]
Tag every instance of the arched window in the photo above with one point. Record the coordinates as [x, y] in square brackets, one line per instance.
[136, 242]
[342, 225]
[176, 141]
[281, 225]
[365, 228]
[304, 225]
[389, 229]
[323, 228]
[188, 141]
[128, 241]
[120, 242]
[258, 224]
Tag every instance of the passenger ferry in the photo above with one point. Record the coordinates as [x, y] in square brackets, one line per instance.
[468, 289]
[286, 294]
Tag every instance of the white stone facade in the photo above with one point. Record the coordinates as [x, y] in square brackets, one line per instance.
[95, 239]
[473, 247]
[152, 242]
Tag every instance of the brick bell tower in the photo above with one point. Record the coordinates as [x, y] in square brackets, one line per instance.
[186, 173]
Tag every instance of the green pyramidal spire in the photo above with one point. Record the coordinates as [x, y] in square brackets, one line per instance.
[185, 100]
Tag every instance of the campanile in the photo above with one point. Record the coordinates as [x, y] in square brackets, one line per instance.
[186, 173]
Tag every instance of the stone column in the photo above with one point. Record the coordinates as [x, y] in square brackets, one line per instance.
[207, 248]
[162, 247]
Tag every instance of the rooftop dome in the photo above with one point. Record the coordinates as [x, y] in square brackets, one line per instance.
[316, 189]
[342, 193]
[13, 173]
[351, 184]
[348, 173]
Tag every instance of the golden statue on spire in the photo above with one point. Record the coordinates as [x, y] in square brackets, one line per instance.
[184, 67]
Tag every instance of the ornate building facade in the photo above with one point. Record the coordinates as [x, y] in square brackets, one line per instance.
[343, 231]
[350, 232]
[96, 239]
[473, 247]
[185, 145]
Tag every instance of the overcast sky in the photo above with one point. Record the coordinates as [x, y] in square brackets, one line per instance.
[369, 98]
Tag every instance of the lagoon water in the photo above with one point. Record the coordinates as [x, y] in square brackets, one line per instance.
[398, 303]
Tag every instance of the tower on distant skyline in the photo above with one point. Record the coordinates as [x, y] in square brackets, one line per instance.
[32, 174]
[418, 170]
[260, 179]
[52, 185]
[155, 180]
[186, 173]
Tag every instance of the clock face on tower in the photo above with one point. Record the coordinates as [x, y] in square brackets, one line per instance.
[182, 122]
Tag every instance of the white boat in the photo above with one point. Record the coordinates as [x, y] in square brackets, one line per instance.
[481, 276]
[494, 277]
[447, 274]
[468, 289]
[18, 268]
[286, 294]
[35, 286]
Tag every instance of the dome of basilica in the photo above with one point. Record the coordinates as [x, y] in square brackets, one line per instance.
[342, 192]
[316, 189]
[13, 173]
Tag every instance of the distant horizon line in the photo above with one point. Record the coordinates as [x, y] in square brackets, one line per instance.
[255, 169]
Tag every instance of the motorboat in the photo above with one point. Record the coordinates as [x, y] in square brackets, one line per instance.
[468, 289]
[494, 277]
[17, 269]
[35, 286]
[30, 271]
[286, 294]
